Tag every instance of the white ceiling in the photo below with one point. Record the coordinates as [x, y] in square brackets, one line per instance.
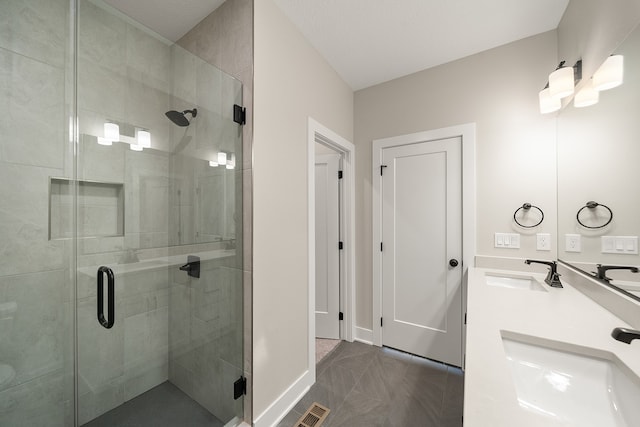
[372, 41]
[171, 19]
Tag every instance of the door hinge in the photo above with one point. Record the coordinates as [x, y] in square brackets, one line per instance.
[239, 114]
[381, 322]
[239, 388]
[465, 318]
[380, 246]
[341, 316]
[340, 245]
[339, 174]
[382, 168]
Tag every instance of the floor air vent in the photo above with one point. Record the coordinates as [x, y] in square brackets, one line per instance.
[314, 416]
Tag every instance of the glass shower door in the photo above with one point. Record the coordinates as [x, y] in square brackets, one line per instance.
[159, 215]
[36, 269]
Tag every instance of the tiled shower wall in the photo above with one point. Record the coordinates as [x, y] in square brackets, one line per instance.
[225, 39]
[125, 75]
[36, 352]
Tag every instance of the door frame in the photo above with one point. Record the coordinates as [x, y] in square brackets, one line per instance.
[467, 133]
[317, 133]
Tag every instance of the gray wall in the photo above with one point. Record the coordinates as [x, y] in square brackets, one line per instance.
[292, 83]
[515, 144]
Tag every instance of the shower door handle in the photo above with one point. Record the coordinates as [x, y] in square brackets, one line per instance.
[111, 293]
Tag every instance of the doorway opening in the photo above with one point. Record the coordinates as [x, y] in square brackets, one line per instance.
[324, 145]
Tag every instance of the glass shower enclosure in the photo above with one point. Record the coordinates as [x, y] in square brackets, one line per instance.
[120, 224]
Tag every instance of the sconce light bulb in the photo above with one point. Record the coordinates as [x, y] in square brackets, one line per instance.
[112, 131]
[547, 103]
[213, 163]
[144, 138]
[231, 162]
[222, 158]
[610, 74]
[586, 96]
[135, 147]
[104, 141]
[561, 82]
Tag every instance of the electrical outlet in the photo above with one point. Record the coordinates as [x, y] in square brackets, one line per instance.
[543, 241]
[572, 243]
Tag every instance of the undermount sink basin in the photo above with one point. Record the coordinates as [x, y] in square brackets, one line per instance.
[573, 388]
[514, 281]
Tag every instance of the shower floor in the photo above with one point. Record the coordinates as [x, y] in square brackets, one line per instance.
[162, 406]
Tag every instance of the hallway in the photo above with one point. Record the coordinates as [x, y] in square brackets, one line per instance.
[367, 386]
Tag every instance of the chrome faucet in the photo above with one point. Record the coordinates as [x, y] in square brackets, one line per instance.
[625, 335]
[553, 278]
[602, 271]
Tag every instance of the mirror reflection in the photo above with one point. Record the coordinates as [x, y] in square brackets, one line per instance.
[598, 198]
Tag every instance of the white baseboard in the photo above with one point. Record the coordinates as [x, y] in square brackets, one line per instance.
[285, 402]
[364, 335]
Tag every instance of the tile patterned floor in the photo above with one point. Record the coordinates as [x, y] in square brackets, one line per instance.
[325, 346]
[367, 386]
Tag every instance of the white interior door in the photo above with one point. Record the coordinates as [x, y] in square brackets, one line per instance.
[327, 251]
[422, 248]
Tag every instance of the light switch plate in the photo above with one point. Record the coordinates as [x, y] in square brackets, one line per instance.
[627, 245]
[507, 240]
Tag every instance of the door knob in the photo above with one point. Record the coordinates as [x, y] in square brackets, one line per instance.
[453, 262]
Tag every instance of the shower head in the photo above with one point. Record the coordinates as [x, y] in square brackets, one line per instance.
[179, 118]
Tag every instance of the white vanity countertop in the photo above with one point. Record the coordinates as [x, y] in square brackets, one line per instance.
[563, 315]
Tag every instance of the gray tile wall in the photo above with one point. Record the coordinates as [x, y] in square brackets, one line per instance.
[205, 336]
[127, 75]
[36, 356]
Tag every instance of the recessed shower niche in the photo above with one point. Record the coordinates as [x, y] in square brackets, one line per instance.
[100, 208]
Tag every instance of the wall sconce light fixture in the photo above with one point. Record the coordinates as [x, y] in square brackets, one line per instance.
[587, 96]
[561, 84]
[547, 103]
[231, 163]
[143, 138]
[222, 158]
[137, 138]
[610, 74]
[111, 131]
[104, 141]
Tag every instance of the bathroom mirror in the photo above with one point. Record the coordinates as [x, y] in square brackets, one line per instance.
[598, 153]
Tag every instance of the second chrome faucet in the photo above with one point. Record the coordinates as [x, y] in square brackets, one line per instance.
[602, 271]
